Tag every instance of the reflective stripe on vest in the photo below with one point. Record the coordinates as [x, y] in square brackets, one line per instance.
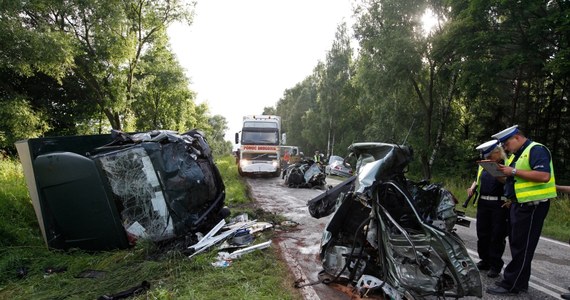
[527, 190]
[479, 172]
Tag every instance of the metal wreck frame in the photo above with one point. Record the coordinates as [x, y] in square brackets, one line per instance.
[392, 233]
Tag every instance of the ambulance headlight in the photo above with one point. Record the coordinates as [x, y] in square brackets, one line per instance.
[244, 162]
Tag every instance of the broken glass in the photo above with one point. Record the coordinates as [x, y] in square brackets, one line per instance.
[103, 192]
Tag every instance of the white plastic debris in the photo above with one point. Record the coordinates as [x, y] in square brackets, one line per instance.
[222, 263]
[210, 240]
[137, 230]
[238, 253]
[367, 283]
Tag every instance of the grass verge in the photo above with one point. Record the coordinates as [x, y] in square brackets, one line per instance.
[556, 224]
[24, 259]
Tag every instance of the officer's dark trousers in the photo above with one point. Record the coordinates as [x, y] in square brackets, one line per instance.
[526, 225]
[492, 229]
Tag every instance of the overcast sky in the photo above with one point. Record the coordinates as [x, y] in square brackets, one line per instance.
[241, 55]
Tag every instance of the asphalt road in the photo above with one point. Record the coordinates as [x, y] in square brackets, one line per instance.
[300, 246]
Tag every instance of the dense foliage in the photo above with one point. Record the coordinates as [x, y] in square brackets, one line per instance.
[84, 67]
[484, 66]
[78, 67]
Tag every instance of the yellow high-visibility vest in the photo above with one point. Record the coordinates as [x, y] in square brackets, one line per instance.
[527, 191]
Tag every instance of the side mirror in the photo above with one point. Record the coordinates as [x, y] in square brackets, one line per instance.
[294, 152]
[284, 138]
[237, 137]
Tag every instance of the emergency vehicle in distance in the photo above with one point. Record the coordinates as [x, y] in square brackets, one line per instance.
[259, 152]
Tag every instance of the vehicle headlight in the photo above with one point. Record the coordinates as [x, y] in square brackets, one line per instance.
[244, 162]
[275, 163]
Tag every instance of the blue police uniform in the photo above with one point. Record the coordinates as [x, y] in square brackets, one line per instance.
[492, 224]
[526, 221]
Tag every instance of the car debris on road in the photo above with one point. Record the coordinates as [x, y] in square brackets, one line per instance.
[305, 174]
[391, 236]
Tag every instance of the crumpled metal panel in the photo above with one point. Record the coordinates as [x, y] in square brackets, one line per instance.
[103, 192]
[165, 183]
[397, 231]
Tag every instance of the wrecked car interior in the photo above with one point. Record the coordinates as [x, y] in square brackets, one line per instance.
[104, 192]
[391, 236]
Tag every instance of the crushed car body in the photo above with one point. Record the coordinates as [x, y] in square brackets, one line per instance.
[390, 235]
[103, 192]
[305, 174]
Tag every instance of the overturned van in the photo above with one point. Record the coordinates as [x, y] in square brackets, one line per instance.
[102, 192]
[392, 236]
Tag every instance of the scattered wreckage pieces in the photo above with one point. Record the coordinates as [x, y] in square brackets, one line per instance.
[210, 240]
[305, 174]
[134, 291]
[239, 233]
[225, 258]
[368, 283]
[90, 273]
[49, 271]
[325, 203]
[239, 253]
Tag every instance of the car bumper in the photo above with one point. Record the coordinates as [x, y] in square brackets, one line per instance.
[259, 168]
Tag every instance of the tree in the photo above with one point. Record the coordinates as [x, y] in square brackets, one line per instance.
[515, 60]
[219, 145]
[161, 98]
[97, 44]
[18, 121]
[334, 79]
[486, 66]
[392, 40]
[292, 108]
[268, 110]
[112, 39]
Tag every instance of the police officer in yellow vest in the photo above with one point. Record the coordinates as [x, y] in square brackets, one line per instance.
[530, 184]
[492, 215]
[317, 156]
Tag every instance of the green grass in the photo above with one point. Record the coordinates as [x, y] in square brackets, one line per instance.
[236, 192]
[257, 275]
[556, 225]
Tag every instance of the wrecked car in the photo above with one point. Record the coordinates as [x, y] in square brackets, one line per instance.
[336, 166]
[305, 174]
[103, 192]
[391, 236]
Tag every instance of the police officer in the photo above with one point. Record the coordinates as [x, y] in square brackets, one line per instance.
[317, 156]
[529, 185]
[492, 214]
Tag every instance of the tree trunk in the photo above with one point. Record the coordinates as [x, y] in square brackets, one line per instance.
[446, 106]
[329, 137]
